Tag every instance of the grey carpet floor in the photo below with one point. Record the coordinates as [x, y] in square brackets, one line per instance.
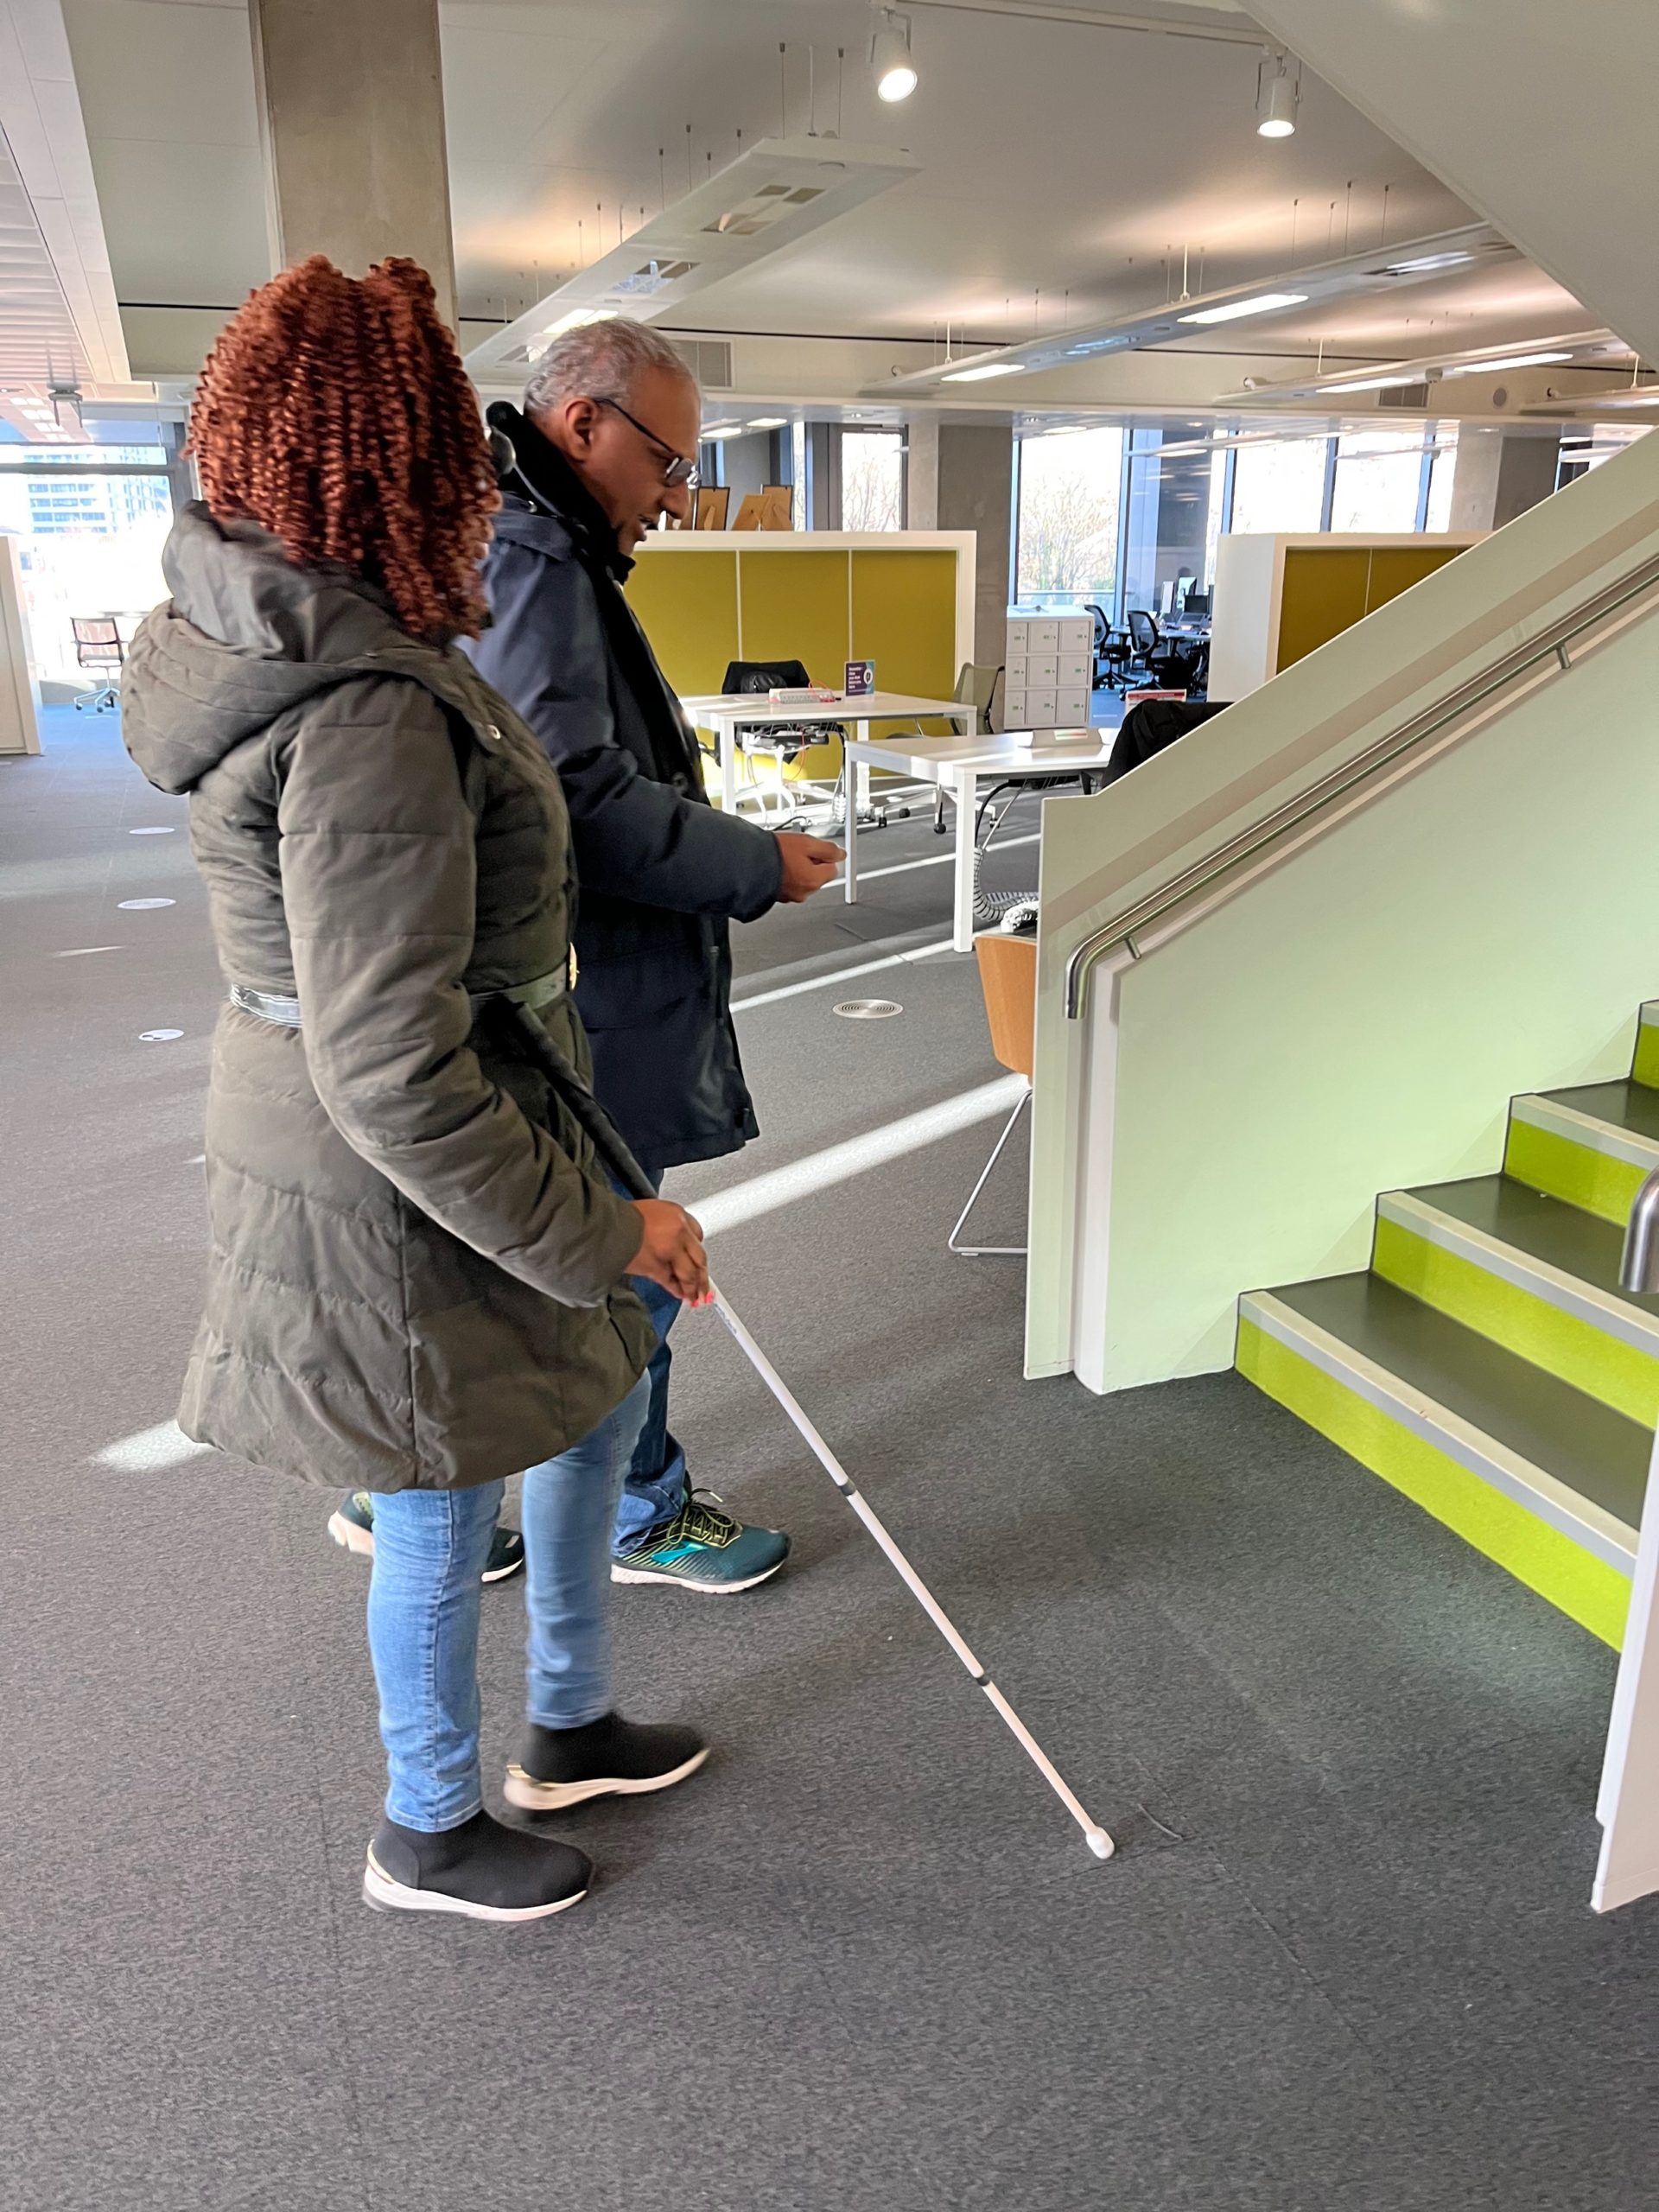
[1342, 1963]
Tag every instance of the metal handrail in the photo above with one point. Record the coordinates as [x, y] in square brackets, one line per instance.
[1549, 644]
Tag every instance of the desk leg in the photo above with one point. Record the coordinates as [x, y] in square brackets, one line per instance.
[967, 790]
[849, 779]
[726, 746]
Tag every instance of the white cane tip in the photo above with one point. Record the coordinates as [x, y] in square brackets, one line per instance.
[1100, 1843]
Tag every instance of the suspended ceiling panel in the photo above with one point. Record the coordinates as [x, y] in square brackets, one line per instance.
[58, 317]
[167, 89]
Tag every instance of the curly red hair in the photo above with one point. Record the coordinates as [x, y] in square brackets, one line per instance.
[334, 411]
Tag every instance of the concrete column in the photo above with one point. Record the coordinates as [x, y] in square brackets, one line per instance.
[351, 109]
[960, 477]
[1499, 474]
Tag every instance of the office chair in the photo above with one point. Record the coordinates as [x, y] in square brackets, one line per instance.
[1112, 651]
[1143, 638]
[98, 646]
[976, 683]
[1007, 977]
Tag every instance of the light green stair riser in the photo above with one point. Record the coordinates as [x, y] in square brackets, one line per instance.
[1644, 1068]
[1583, 1588]
[1562, 1343]
[1577, 1174]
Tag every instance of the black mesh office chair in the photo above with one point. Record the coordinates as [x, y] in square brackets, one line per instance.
[1112, 651]
[783, 741]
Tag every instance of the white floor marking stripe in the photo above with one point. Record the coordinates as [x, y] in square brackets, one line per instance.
[80, 952]
[838, 1163]
[934, 859]
[149, 1450]
[841, 975]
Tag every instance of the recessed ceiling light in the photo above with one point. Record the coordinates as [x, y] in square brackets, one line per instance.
[1264, 303]
[719, 430]
[1509, 361]
[986, 369]
[769, 422]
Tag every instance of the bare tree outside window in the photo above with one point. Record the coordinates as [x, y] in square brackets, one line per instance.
[1068, 513]
[872, 479]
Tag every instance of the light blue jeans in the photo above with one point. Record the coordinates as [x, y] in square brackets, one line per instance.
[429, 1551]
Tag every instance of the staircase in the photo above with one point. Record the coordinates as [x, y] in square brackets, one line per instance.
[1489, 1365]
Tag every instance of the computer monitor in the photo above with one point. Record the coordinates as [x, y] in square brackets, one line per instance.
[1196, 602]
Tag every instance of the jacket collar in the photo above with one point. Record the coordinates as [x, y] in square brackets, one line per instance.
[542, 474]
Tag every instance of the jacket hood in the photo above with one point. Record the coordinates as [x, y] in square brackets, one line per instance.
[245, 636]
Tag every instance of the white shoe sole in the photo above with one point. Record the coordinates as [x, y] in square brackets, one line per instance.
[683, 1582]
[351, 1537]
[532, 1796]
[387, 1896]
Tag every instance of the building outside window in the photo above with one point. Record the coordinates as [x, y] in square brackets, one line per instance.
[90, 524]
[1279, 486]
[1379, 479]
[1068, 516]
[872, 479]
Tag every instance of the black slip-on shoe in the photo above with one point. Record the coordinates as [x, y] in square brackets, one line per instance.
[480, 1871]
[612, 1757]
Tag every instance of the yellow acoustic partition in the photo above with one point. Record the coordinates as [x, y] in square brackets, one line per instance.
[1328, 587]
[902, 599]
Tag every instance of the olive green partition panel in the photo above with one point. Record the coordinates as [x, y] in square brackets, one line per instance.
[1327, 588]
[689, 609]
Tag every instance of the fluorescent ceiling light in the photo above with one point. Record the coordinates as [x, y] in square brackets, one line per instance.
[1374, 384]
[769, 422]
[719, 430]
[895, 72]
[1426, 262]
[1264, 303]
[1509, 361]
[986, 369]
[574, 321]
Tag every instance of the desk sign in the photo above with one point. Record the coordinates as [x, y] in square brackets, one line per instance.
[861, 679]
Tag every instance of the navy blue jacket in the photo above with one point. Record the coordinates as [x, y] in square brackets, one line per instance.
[661, 873]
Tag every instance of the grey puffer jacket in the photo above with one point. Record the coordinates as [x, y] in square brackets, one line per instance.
[417, 1277]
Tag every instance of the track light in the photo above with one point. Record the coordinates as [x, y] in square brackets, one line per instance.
[895, 72]
[1277, 95]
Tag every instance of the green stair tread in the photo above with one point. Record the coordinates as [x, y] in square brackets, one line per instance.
[1580, 1244]
[1583, 1444]
[1627, 1105]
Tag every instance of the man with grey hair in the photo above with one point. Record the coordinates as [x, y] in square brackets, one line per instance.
[607, 442]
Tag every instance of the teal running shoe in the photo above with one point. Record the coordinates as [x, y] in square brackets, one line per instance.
[352, 1525]
[702, 1548]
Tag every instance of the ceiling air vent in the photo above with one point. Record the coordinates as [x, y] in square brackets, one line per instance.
[1404, 395]
[709, 360]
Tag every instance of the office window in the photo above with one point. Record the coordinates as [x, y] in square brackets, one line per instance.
[1379, 479]
[1279, 486]
[872, 479]
[1442, 469]
[88, 545]
[1068, 502]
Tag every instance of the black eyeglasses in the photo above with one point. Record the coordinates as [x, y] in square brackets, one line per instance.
[677, 469]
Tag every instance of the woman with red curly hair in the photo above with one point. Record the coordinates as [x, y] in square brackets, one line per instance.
[418, 1281]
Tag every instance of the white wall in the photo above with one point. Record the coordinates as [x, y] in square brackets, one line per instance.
[1358, 1017]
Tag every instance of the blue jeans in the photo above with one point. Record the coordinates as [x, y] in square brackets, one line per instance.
[429, 1551]
[658, 1480]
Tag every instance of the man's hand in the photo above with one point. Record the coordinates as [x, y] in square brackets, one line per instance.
[671, 1250]
[808, 863]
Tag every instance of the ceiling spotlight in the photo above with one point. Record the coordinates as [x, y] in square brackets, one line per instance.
[895, 72]
[1277, 95]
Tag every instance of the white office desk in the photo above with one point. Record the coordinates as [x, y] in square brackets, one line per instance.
[721, 711]
[961, 766]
